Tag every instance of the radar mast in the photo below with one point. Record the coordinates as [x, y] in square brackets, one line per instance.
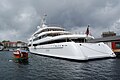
[43, 21]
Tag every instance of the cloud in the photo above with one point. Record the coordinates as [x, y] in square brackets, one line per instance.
[19, 18]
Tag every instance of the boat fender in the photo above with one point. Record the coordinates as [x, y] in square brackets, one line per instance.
[21, 55]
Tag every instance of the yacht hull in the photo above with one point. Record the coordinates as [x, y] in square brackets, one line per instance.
[75, 51]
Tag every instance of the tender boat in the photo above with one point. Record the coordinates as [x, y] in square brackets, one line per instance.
[56, 42]
[20, 55]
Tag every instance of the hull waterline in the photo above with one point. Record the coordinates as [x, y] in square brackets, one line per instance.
[75, 51]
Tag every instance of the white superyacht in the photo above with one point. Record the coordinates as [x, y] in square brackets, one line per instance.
[56, 42]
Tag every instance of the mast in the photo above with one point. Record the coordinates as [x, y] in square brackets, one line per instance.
[43, 21]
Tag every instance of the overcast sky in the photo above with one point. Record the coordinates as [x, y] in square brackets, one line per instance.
[20, 18]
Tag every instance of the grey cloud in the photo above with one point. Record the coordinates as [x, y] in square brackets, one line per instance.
[19, 18]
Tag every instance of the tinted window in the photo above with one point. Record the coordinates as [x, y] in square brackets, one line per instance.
[117, 45]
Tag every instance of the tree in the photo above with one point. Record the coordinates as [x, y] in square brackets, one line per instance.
[5, 41]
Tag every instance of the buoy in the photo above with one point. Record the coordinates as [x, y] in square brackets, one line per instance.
[10, 60]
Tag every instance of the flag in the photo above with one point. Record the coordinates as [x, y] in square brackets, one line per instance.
[87, 31]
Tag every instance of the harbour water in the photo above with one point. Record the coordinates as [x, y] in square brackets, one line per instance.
[46, 68]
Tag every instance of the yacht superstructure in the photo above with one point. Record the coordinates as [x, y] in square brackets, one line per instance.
[57, 42]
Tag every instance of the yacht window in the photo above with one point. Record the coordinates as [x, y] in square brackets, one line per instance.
[49, 35]
[29, 45]
[117, 45]
[55, 41]
[51, 30]
[40, 37]
[79, 40]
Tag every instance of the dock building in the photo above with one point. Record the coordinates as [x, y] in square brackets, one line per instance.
[111, 40]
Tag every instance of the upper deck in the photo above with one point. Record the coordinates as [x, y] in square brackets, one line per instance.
[47, 29]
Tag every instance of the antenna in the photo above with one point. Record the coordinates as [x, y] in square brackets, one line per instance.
[43, 21]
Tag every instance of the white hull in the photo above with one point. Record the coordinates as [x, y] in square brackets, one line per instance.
[72, 50]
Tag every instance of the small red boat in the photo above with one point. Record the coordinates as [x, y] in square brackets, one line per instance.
[20, 55]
